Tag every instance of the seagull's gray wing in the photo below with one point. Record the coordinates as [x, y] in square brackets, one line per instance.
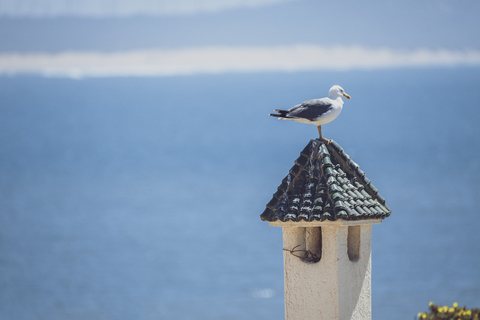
[311, 109]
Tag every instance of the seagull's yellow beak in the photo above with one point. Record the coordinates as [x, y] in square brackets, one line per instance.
[346, 96]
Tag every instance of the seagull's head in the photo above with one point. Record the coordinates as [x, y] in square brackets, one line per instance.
[337, 91]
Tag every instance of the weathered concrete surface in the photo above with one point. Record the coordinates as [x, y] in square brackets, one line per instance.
[335, 287]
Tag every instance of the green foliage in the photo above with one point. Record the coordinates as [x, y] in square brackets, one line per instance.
[447, 313]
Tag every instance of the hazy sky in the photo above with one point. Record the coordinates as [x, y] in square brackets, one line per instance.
[47, 31]
[122, 8]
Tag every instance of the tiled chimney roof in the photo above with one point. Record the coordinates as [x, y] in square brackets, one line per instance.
[325, 184]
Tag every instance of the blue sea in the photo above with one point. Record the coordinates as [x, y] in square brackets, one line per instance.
[139, 198]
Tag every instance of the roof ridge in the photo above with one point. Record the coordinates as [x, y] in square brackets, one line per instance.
[359, 172]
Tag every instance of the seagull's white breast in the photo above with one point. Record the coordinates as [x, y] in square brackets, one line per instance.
[330, 115]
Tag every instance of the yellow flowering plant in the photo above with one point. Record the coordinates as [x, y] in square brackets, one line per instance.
[449, 313]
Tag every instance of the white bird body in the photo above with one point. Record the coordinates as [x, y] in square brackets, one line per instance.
[316, 111]
[326, 117]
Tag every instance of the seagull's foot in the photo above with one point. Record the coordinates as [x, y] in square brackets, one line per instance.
[326, 141]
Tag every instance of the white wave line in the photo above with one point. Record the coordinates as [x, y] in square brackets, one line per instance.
[214, 60]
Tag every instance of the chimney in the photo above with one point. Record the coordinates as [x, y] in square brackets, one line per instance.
[326, 208]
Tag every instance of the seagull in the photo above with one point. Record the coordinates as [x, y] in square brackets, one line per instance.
[316, 111]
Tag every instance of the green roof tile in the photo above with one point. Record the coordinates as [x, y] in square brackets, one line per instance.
[325, 184]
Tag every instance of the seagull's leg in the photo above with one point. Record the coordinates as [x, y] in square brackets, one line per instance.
[326, 141]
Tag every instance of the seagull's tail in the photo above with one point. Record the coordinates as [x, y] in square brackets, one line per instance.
[280, 114]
